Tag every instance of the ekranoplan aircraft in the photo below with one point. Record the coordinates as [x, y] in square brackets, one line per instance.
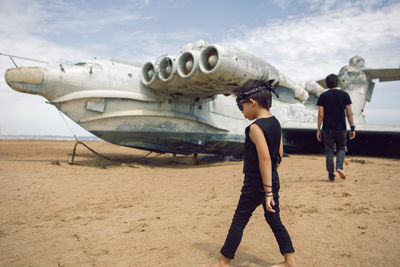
[183, 104]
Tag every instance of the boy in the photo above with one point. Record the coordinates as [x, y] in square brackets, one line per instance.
[263, 150]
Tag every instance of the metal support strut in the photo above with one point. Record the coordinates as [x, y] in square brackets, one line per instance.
[90, 149]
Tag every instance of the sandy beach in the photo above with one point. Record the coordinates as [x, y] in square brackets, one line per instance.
[162, 210]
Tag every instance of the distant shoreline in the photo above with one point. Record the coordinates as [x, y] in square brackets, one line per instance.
[48, 137]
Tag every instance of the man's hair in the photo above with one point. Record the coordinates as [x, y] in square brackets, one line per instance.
[263, 97]
[331, 81]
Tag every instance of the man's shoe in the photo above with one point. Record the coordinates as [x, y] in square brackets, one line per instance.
[341, 173]
[331, 177]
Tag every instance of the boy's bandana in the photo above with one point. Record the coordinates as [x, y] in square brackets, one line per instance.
[257, 89]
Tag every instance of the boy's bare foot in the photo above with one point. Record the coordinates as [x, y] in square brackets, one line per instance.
[218, 264]
[290, 261]
[222, 262]
[341, 173]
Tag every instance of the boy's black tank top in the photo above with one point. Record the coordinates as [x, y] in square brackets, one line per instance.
[272, 132]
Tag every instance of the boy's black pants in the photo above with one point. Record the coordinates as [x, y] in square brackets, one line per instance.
[251, 197]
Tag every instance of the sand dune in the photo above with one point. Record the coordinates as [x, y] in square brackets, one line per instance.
[161, 210]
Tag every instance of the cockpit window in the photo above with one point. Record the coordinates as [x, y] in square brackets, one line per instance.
[81, 64]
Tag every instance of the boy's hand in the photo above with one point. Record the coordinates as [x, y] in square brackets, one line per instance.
[269, 202]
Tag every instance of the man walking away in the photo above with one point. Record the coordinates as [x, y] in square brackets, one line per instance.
[332, 105]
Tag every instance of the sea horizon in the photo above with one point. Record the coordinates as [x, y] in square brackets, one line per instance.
[48, 137]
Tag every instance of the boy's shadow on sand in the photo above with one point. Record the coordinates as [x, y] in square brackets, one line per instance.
[242, 259]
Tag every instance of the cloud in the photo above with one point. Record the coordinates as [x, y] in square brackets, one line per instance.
[281, 3]
[19, 113]
[30, 29]
[324, 37]
[21, 26]
[327, 5]
[60, 17]
[308, 47]
[156, 44]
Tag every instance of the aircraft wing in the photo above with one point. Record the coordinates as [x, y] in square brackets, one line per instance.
[372, 140]
[384, 75]
[206, 70]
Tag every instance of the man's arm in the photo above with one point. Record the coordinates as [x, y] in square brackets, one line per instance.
[280, 153]
[349, 114]
[320, 119]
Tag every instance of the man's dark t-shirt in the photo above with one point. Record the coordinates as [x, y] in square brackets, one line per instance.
[334, 102]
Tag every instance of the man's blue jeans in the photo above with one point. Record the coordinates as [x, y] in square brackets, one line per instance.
[332, 137]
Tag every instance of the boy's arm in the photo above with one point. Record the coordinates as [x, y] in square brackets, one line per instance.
[264, 162]
[320, 119]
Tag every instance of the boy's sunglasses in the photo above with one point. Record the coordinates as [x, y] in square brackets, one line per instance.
[239, 104]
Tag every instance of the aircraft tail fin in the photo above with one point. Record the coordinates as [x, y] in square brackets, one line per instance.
[322, 83]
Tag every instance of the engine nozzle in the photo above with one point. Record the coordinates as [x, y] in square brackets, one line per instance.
[148, 73]
[187, 64]
[208, 59]
[167, 69]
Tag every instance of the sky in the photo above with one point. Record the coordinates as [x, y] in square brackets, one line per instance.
[305, 39]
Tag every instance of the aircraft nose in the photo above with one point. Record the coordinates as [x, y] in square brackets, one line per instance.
[26, 79]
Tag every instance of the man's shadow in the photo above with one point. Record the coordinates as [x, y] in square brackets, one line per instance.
[242, 259]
